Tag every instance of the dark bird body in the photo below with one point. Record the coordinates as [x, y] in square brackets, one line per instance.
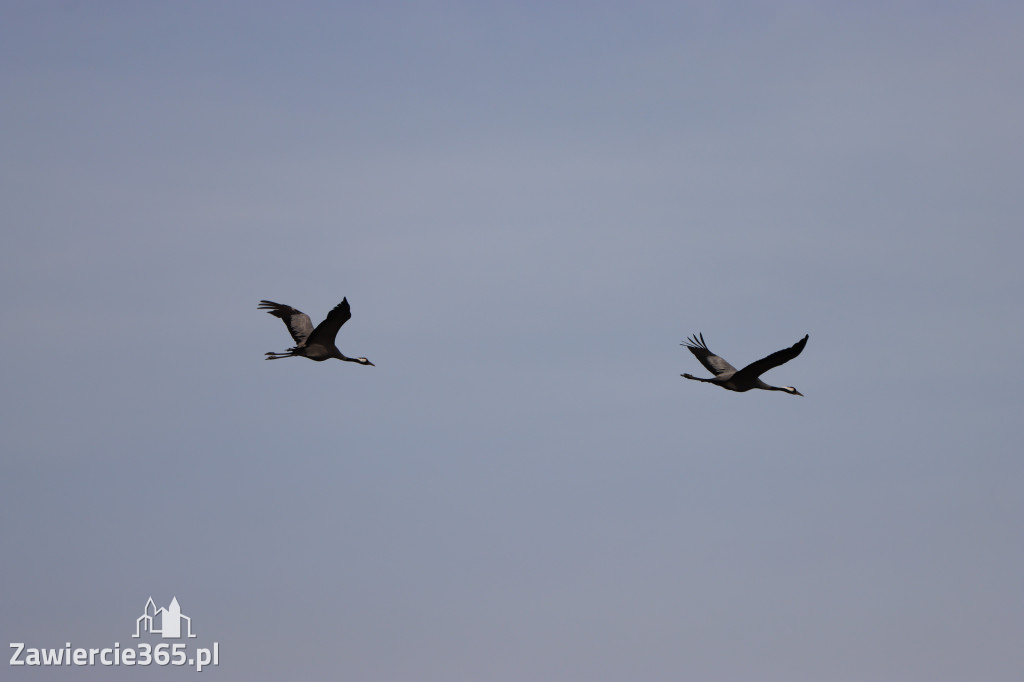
[749, 377]
[313, 343]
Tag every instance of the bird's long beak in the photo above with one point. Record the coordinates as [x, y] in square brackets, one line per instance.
[796, 392]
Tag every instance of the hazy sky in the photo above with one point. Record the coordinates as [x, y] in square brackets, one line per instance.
[528, 207]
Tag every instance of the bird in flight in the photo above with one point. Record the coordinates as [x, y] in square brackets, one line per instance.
[316, 344]
[741, 380]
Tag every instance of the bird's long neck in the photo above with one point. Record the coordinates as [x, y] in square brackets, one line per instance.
[769, 387]
[358, 361]
[785, 389]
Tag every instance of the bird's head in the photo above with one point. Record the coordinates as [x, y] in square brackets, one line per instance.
[364, 361]
[792, 391]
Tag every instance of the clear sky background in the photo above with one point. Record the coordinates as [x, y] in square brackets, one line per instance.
[529, 206]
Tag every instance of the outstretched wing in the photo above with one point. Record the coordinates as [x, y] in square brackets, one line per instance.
[328, 329]
[712, 363]
[759, 367]
[298, 322]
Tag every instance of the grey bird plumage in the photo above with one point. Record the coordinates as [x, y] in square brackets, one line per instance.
[730, 378]
[314, 343]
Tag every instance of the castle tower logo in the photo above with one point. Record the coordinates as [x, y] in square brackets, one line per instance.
[165, 622]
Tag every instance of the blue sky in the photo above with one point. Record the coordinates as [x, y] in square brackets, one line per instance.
[528, 208]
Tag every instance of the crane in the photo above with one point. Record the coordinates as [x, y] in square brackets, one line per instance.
[730, 378]
[316, 344]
